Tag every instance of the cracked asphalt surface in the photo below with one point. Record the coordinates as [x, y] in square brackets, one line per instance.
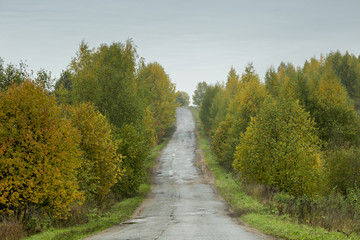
[182, 205]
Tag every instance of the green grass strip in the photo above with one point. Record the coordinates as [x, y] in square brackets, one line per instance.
[283, 227]
[251, 211]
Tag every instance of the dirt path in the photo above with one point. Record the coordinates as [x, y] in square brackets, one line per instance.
[182, 205]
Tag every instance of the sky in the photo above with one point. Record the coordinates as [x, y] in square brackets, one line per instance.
[194, 40]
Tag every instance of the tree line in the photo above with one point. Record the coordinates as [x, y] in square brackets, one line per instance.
[85, 139]
[296, 134]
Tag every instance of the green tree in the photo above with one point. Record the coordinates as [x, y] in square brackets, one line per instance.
[335, 116]
[182, 98]
[206, 115]
[272, 82]
[199, 93]
[63, 87]
[347, 69]
[224, 142]
[343, 168]
[39, 153]
[106, 78]
[134, 146]
[11, 74]
[281, 149]
[43, 79]
[157, 91]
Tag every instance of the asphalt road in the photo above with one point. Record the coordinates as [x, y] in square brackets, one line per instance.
[182, 205]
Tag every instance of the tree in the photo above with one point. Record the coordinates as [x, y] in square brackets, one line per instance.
[157, 91]
[39, 153]
[199, 93]
[220, 106]
[343, 168]
[134, 146]
[281, 149]
[272, 82]
[11, 74]
[335, 116]
[106, 78]
[43, 79]
[224, 143]
[101, 164]
[182, 98]
[243, 104]
[63, 88]
[206, 115]
[347, 69]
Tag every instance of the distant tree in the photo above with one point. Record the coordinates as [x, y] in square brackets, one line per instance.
[206, 115]
[63, 87]
[232, 82]
[64, 81]
[347, 69]
[11, 74]
[281, 149]
[223, 98]
[335, 116]
[272, 82]
[39, 153]
[43, 79]
[199, 93]
[182, 98]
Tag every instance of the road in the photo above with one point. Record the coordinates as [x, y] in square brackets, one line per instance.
[182, 205]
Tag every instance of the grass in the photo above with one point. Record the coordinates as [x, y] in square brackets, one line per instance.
[100, 221]
[250, 209]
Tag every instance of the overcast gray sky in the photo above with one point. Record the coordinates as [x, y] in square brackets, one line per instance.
[194, 40]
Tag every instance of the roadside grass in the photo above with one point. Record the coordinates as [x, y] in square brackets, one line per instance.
[119, 212]
[263, 217]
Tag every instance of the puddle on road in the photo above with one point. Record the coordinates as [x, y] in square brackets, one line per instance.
[198, 212]
[137, 220]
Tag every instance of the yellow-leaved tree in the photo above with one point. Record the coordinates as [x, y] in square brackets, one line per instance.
[281, 149]
[244, 104]
[101, 164]
[39, 154]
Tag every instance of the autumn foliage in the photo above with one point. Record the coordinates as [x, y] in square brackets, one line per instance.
[100, 167]
[296, 136]
[281, 149]
[39, 153]
[85, 144]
